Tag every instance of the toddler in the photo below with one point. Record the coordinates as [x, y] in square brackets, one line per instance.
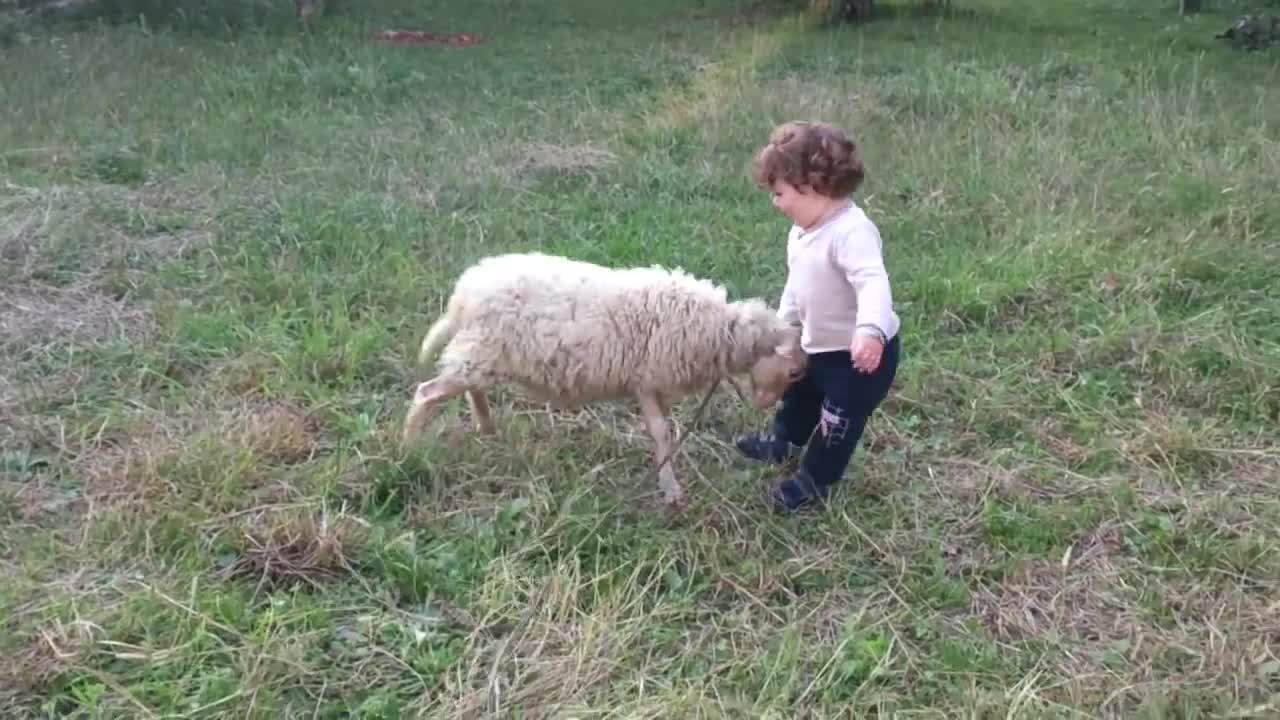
[837, 292]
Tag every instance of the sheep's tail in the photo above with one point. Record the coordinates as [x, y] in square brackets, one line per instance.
[440, 333]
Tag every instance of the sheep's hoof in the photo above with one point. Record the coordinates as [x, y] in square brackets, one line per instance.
[674, 499]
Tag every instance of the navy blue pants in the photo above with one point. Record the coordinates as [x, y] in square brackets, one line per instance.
[835, 399]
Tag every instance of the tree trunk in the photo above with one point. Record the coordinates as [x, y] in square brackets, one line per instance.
[858, 10]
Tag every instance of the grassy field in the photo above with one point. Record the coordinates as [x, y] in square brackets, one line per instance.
[221, 246]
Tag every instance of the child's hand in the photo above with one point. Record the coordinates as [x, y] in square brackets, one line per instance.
[866, 351]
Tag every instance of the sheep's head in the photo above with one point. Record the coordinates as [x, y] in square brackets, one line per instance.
[773, 374]
[777, 360]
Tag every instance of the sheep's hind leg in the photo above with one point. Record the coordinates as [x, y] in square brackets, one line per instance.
[655, 419]
[427, 400]
[480, 412]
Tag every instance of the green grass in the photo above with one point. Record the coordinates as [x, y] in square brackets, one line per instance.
[222, 242]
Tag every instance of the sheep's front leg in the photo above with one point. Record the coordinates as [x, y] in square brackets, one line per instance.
[480, 412]
[427, 399]
[655, 419]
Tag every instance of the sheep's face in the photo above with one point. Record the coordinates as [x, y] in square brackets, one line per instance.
[774, 373]
[772, 352]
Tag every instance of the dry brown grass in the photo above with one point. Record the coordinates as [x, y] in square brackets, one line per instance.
[12, 396]
[38, 500]
[70, 257]
[283, 547]
[549, 657]
[101, 225]
[53, 650]
[35, 316]
[553, 159]
[277, 432]
[157, 454]
[1079, 606]
[21, 396]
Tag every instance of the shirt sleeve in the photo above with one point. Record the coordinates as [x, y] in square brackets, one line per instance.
[787, 308]
[858, 255]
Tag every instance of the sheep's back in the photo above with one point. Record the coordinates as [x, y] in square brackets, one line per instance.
[583, 331]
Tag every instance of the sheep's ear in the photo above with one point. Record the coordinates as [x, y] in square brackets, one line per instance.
[787, 342]
[770, 341]
[770, 333]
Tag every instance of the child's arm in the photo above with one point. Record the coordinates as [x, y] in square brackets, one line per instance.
[858, 254]
[787, 308]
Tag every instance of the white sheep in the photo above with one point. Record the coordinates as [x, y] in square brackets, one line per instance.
[571, 332]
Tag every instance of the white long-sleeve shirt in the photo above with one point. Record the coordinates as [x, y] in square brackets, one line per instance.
[837, 284]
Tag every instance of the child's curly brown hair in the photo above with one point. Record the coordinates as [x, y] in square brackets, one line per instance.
[817, 154]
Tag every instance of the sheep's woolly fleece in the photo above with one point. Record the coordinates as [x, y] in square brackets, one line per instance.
[572, 332]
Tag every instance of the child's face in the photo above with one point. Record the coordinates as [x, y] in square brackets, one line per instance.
[802, 206]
